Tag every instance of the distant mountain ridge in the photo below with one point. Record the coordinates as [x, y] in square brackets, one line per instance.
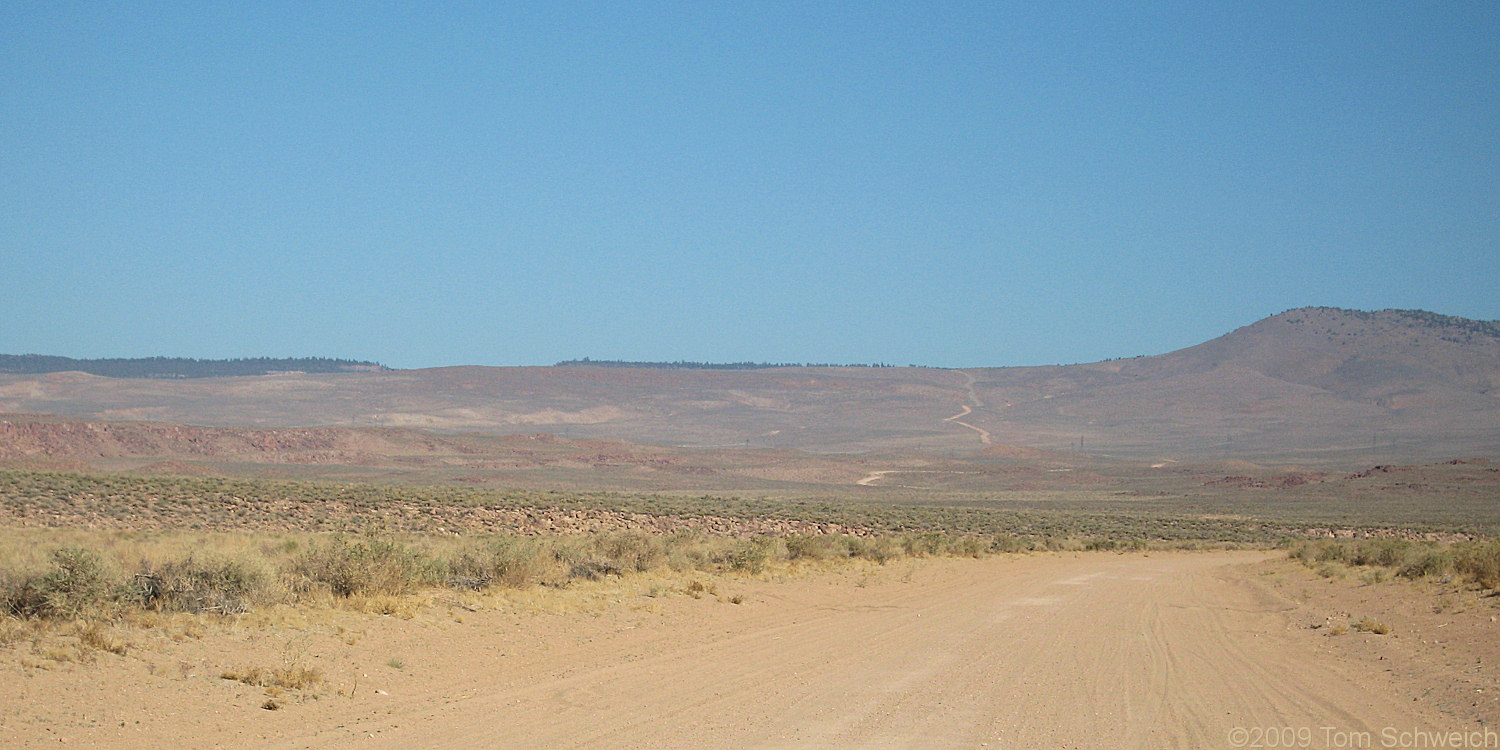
[1313, 386]
[690, 365]
[1308, 382]
[179, 367]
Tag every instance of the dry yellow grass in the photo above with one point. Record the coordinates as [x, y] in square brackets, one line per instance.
[1370, 625]
[109, 575]
[293, 677]
[101, 637]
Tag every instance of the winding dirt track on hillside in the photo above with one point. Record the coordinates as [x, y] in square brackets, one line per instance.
[984, 436]
[1081, 651]
[974, 403]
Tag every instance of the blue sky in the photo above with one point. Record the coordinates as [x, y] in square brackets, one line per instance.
[958, 184]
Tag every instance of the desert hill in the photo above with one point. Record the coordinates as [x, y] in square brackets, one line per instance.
[1309, 386]
[1356, 354]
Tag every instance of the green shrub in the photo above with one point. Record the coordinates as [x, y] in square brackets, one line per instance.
[1303, 552]
[1430, 563]
[579, 557]
[691, 550]
[1006, 543]
[1062, 544]
[878, 549]
[1332, 552]
[926, 544]
[511, 562]
[1480, 561]
[1383, 552]
[21, 594]
[815, 547]
[751, 555]
[632, 550]
[198, 585]
[969, 546]
[79, 586]
[370, 566]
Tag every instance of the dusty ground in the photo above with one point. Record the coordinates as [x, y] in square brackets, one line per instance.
[1081, 650]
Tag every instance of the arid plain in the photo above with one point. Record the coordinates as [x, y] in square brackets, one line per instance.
[1286, 530]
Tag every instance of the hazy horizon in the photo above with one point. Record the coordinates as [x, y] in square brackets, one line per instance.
[770, 363]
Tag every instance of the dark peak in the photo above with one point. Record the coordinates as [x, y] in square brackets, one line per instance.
[1425, 319]
[1448, 324]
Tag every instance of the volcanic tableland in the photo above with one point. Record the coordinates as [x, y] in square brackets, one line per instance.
[605, 542]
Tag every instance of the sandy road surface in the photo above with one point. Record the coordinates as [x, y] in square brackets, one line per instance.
[1047, 651]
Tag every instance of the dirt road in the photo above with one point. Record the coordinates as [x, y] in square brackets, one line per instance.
[975, 402]
[1050, 651]
[984, 435]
